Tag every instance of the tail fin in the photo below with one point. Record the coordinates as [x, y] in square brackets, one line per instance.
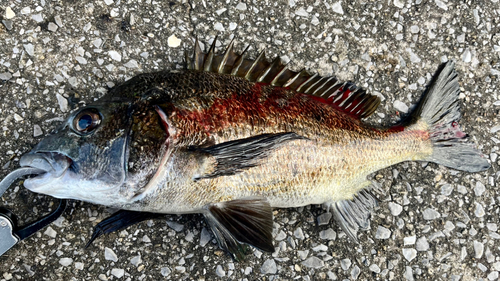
[439, 109]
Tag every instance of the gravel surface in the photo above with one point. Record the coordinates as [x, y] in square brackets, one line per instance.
[433, 223]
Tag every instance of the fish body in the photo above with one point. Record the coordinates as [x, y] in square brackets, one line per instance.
[231, 138]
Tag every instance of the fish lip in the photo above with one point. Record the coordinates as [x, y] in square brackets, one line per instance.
[54, 164]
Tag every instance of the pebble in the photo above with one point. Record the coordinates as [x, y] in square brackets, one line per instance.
[324, 218]
[165, 271]
[409, 254]
[63, 103]
[321, 247]
[299, 234]
[375, 268]
[328, 234]
[337, 8]
[441, 4]
[18, 117]
[479, 189]
[395, 208]
[8, 24]
[219, 27]
[118, 272]
[173, 41]
[29, 48]
[422, 244]
[136, 260]
[241, 6]
[431, 214]
[280, 236]
[382, 233]
[345, 264]
[9, 14]
[467, 56]
[479, 212]
[50, 232]
[175, 226]
[446, 189]
[313, 262]
[37, 17]
[495, 129]
[220, 271]
[58, 21]
[52, 27]
[301, 12]
[400, 106]
[408, 275]
[115, 55]
[269, 267]
[37, 131]
[205, 237]
[493, 275]
[81, 60]
[66, 261]
[79, 265]
[302, 254]
[399, 3]
[110, 255]
[410, 240]
[5, 76]
[413, 57]
[478, 249]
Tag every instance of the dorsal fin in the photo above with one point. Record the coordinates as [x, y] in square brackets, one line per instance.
[345, 96]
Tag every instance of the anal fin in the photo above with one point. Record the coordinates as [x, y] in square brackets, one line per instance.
[354, 214]
[248, 221]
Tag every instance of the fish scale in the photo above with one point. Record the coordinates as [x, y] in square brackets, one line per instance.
[231, 138]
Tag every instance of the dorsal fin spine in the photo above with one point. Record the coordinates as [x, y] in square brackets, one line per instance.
[229, 51]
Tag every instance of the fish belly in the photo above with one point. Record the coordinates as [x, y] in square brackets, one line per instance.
[304, 172]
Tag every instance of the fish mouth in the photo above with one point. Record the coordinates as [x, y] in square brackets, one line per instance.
[49, 166]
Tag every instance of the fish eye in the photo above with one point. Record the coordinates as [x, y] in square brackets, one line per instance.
[86, 121]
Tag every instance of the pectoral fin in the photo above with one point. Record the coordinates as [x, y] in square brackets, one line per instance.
[355, 214]
[248, 221]
[235, 156]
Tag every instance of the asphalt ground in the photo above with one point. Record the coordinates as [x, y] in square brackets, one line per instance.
[433, 223]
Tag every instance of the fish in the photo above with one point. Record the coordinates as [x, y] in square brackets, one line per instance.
[232, 138]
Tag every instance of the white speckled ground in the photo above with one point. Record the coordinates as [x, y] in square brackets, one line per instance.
[433, 222]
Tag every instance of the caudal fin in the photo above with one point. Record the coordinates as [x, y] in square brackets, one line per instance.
[439, 110]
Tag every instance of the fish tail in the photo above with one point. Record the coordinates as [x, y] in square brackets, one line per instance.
[439, 111]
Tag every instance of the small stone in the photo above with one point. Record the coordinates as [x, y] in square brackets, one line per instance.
[400, 106]
[79, 265]
[110, 255]
[269, 267]
[413, 57]
[382, 233]
[479, 189]
[58, 21]
[399, 3]
[5, 76]
[165, 271]
[97, 43]
[299, 234]
[302, 254]
[446, 189]
[29, 48]
[337, 8]
[50, 232]
[479, 212]
[205, 237]
[219, 27]
[395, 208]
[478, 249]
[328, 234]
[375, 268]
[8, 24]
[175, 226]
[410, 240]
[313, 262]
[241, 6]
[414, 29]
[173, 41]
[26, 10]
[146, 239]
[81, 60]
[324, 218]
[495, 129]
[441, 4]
[301, 12]
[118, 272]
[431, 214]
[220, 271]
[467, 56]
[280, 236]
[493, 275]
[63, 103]
[37, 131]
[37, 17]
[52, 27]
[66, 261]
[422, 244]
[409, 254]
[9, 14]
[115, 55]
[108, 2]
[408, 275]
[136, 260]
[345, 264]
[320, 248]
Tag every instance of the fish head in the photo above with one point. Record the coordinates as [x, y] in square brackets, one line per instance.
[86, 157]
